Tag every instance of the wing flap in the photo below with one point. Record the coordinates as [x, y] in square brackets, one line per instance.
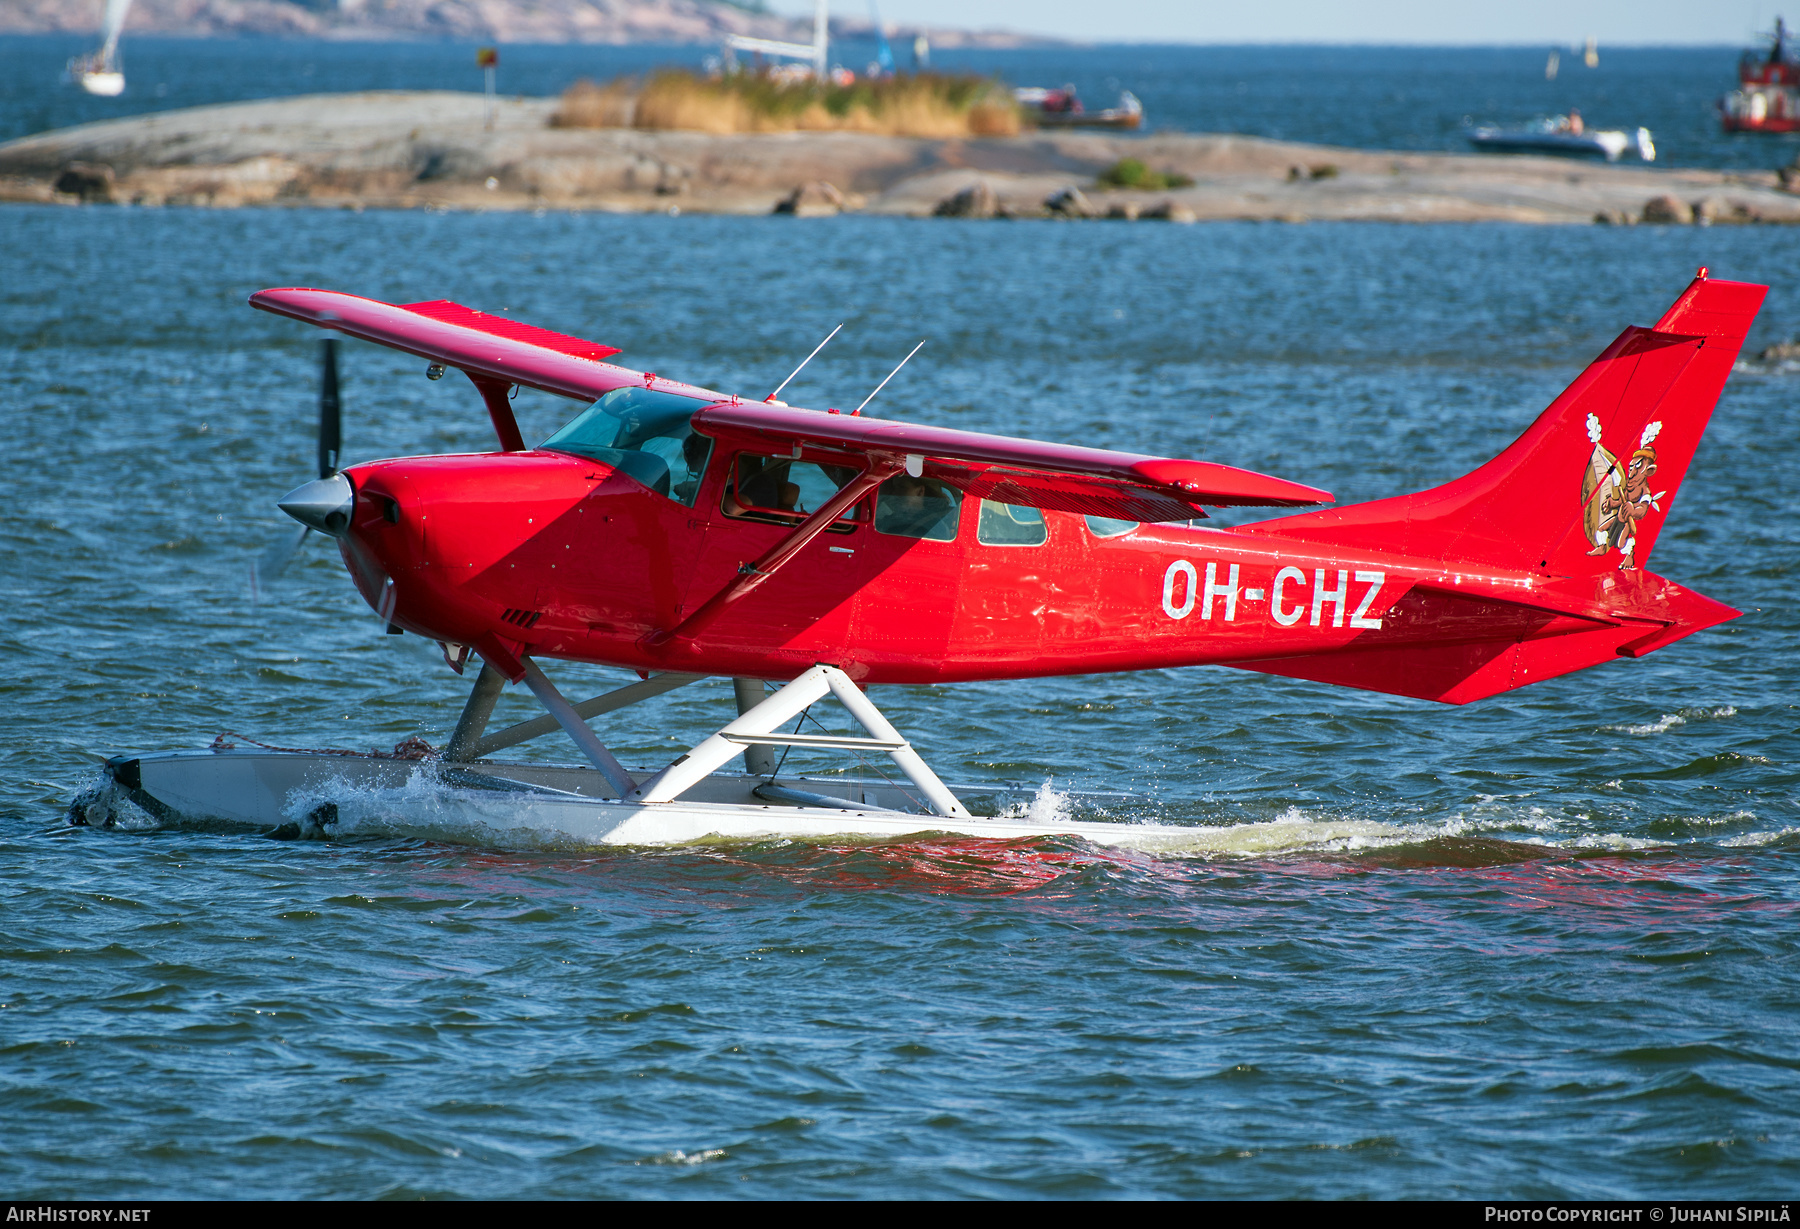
[504, 326]
[1063, 477]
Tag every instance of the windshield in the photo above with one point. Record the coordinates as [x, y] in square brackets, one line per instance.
[647, 434]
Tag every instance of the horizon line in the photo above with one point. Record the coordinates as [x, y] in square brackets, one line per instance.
[1043, 42]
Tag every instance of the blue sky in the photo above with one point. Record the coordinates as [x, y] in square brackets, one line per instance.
[1546, 22]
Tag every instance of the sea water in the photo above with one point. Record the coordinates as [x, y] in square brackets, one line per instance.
[1544, 945]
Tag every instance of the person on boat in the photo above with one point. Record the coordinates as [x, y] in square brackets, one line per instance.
[1574, 122]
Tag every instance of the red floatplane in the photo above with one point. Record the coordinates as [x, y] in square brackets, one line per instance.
[684, 533]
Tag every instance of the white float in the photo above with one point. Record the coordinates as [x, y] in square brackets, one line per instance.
[468, 797]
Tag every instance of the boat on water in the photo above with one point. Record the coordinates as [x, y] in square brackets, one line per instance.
[1566, 136]
[1063, 108]
[1768, 95]
[100, 73]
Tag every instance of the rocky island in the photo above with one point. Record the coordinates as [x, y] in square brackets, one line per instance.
[433, 150]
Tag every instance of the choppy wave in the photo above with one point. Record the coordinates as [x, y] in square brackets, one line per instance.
[1503, 827]
[1669, 721]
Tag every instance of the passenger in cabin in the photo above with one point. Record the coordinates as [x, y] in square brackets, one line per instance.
[917, 508]
[762, 486]
[694, 451]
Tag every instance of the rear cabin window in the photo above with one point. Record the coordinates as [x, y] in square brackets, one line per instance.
[784, 491]
[909, 507]
[1010, 525]
[649, 435]
[1107, 527]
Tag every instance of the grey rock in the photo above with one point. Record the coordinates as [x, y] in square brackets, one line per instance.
[816, 199]
[1717, 211]
[1069, 203]
[93, 182]
[975, 201]
[1667, 210]
[1171, 211]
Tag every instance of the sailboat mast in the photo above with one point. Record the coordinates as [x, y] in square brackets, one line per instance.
[116, 11]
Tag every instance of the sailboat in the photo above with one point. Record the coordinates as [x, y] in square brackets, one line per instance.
[100, 73]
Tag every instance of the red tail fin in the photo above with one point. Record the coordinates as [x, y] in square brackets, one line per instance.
[1588, 486]
[1578, 499]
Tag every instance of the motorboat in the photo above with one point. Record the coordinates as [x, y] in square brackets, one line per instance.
[100, 73]
[1565, 136]
[1768, 95]
[1063, 108]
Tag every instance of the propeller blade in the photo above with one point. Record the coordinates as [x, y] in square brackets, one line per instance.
[331, 429]
[274, 560]
[269, 566]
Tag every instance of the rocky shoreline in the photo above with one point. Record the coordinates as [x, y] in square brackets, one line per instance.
[431, 150]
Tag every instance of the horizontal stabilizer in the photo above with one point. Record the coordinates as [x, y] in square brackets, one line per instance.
[1557, 629]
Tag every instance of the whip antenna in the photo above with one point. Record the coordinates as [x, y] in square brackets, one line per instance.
[890, 375]
[803, 362]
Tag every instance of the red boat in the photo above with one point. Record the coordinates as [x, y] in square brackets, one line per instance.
[1768, 95]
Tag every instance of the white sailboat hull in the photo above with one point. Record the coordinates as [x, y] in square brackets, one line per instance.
[104, 84]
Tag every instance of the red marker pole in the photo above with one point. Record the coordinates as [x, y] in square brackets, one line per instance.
[488, 59]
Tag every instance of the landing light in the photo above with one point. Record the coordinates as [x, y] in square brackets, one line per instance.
[435, 372]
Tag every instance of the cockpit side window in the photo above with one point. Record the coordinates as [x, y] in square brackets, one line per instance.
[649, 435]
[783, 491]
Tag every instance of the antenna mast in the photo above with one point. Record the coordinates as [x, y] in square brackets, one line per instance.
[890, 375]
[803, 362]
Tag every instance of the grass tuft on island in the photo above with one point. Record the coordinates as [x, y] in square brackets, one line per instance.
[914, 105]
[1135, 175]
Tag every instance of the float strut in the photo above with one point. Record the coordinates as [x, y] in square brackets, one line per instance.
[761, 726]
[577, 729]
[612, 701]
[759, 758]
[464, 743]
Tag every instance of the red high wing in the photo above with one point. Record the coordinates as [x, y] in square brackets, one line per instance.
[483, 345]
[1064, 477]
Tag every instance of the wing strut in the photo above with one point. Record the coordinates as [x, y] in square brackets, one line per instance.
[500, 411]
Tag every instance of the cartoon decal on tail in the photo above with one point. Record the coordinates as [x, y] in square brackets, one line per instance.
[1615, 498]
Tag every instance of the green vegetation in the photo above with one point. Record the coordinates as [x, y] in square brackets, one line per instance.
[1133, 174]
